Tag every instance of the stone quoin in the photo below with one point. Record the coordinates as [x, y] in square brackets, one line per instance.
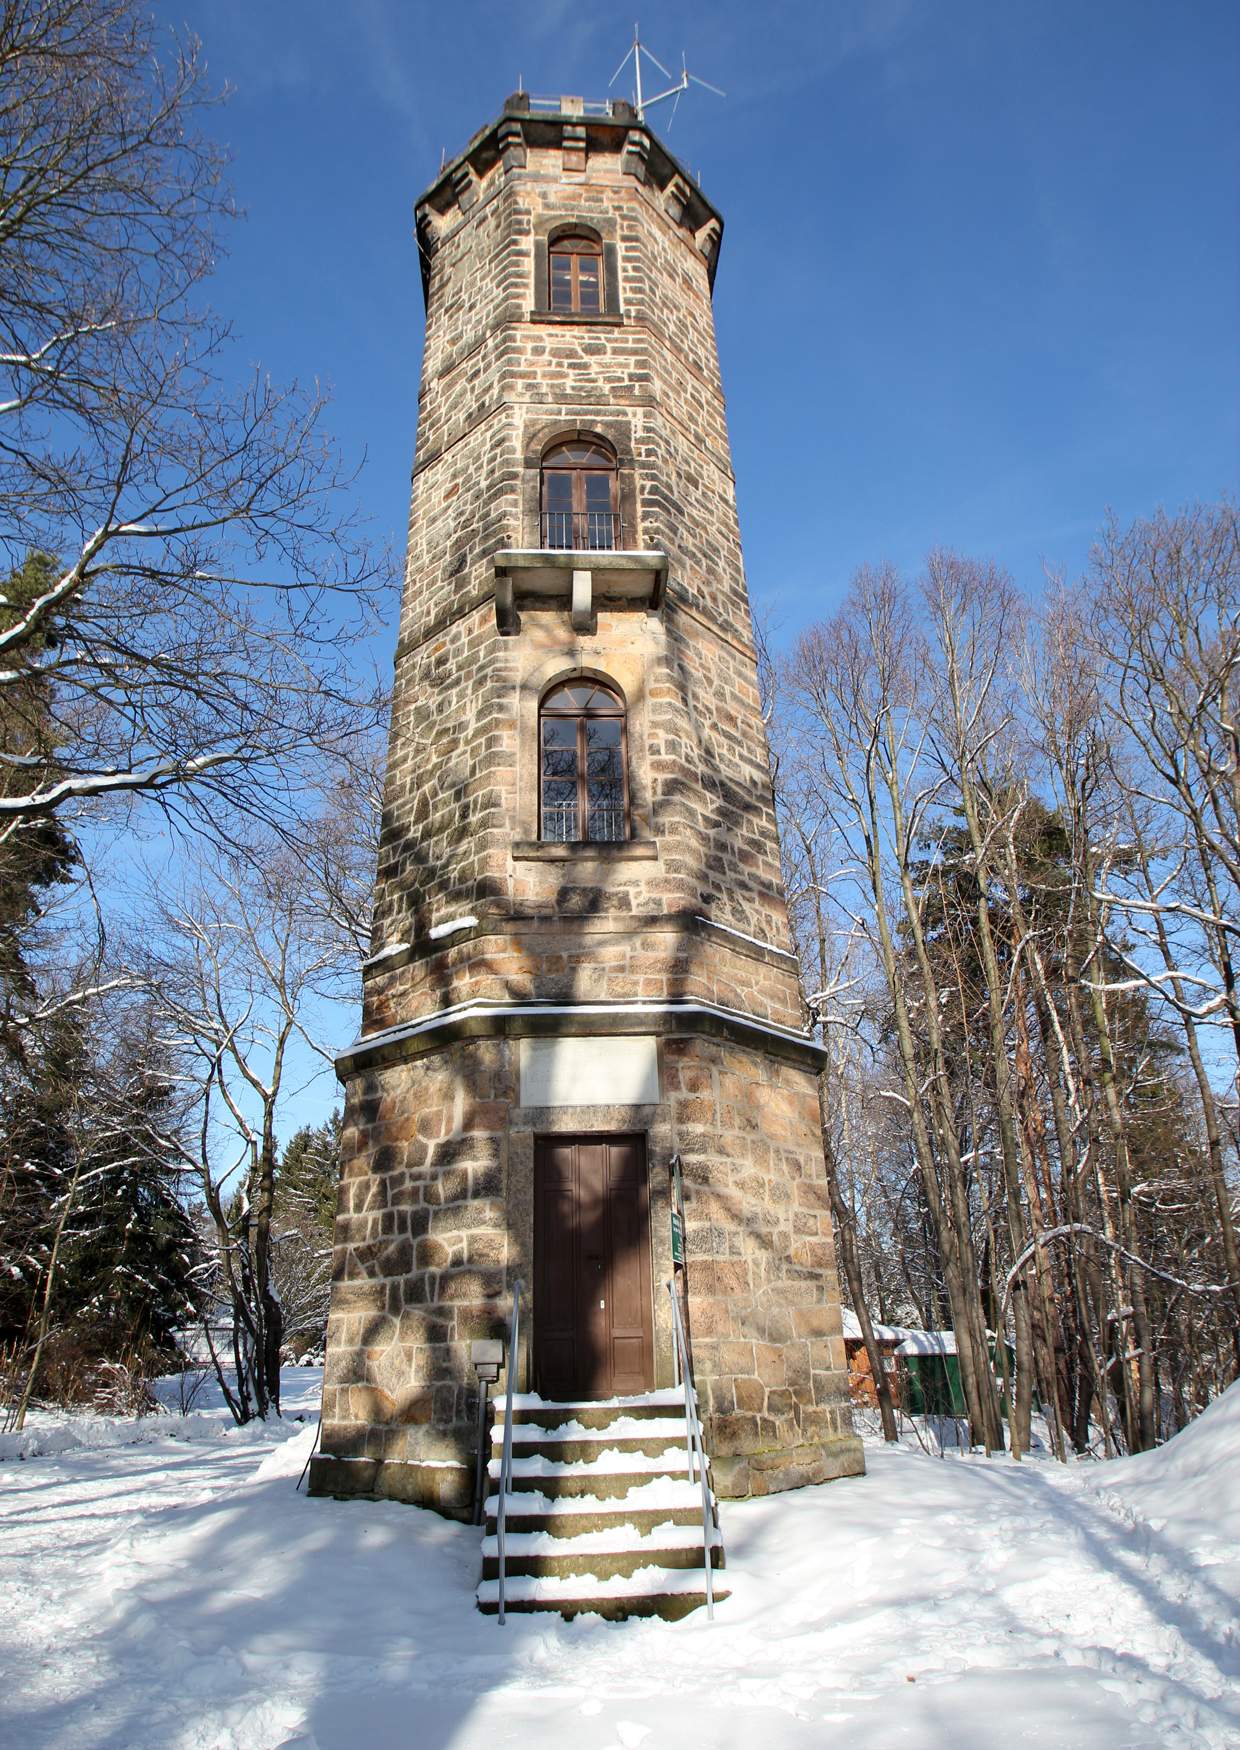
[581, 965]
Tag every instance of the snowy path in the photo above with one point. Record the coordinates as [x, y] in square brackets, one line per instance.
[182, 1596]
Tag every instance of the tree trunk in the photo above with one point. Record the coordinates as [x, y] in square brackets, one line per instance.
[845, 1244]
[45, 1308]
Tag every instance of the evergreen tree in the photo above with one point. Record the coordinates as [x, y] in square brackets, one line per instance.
[36, 852]
[303, 1218]
[95, 1245]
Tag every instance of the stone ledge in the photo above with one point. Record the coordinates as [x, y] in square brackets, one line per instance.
[517, 927]
[608, 851]
[579, 579]
[790, 1467]
[545, 1020]
[447, 1489]
[577, 318]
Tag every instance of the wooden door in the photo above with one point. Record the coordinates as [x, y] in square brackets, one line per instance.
[593, 1318]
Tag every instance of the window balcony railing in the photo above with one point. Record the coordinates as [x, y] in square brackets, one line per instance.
[582, 531]
[603, 107]
[559, 825]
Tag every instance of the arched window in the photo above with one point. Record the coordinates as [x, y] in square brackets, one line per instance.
[579, 497]
[576, 275]
[584, 789]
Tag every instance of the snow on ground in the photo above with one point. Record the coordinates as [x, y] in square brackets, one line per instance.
[180, 1594]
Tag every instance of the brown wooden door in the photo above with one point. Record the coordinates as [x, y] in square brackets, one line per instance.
[593, 1319]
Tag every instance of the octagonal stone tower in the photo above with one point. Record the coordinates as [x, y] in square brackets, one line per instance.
[581, 965]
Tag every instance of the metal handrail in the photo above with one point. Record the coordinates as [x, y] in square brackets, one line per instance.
[560, 823]
[505, 1465]
[693, 1442]
[581, 531]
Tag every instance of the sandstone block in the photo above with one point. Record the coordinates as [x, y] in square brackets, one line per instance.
[750, 1394]
[431, 1253]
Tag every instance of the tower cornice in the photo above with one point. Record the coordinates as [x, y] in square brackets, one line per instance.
[579, 128]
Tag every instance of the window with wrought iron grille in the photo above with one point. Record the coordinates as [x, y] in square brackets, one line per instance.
[583, 787]
[576, 275]
[579, 497]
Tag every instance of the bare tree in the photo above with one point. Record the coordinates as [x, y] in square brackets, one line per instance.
[250, 959]
[237, 975]
[203, 581]
[1026, 898]
[1166, 595]
[857, 681]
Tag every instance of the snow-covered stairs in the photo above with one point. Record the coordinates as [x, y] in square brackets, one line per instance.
[602, 1515]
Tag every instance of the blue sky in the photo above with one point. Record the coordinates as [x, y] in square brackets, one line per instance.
[980, 278]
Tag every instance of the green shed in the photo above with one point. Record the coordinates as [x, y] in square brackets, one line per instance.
[932, 1373]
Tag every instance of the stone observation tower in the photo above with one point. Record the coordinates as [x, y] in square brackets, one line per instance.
[581, 965]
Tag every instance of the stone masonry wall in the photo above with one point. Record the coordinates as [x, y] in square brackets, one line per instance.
[421, 1248]
[499, 379]
[435, 1209]
[435, 1221]
[764, 1313]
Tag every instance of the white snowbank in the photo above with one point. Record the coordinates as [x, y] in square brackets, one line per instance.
[51, 1432]
[1191, 1486]
[46, 1436]
[185, 1596]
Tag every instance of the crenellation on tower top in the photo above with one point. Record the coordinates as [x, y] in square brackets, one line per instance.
[564, 141]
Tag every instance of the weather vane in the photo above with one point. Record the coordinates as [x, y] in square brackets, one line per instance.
[641, 103]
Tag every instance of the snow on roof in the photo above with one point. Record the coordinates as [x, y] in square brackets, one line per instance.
[884, 1333]
[928, 1343]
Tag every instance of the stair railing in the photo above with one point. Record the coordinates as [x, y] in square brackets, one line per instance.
[505, 1467]
[696, 1450]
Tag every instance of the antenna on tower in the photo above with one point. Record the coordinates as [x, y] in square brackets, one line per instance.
[641, 103]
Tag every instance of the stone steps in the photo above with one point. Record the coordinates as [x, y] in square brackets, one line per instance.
[666, 1592]
[609, 1473]
[570, 1515]
[573, 1440]
[603, 1516]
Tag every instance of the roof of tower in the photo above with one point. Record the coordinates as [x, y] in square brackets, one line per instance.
[610, 125]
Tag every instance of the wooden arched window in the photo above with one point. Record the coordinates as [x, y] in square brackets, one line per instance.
[579, 497]
[576, 262]
[584, 792]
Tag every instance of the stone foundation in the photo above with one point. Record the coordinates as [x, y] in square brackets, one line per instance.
[436, 1221]
[448, 1489]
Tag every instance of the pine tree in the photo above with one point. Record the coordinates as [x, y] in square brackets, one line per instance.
[36, 852]
[303, 1219]
[95, 1244]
